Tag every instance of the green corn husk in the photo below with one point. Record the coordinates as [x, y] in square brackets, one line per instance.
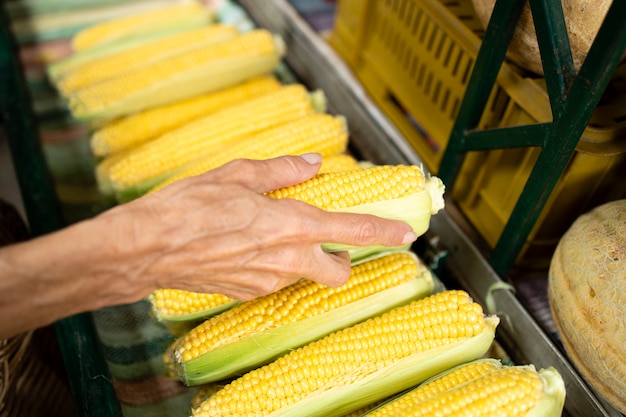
[263, 345]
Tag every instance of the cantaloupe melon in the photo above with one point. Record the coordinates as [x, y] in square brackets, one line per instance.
[587, 295]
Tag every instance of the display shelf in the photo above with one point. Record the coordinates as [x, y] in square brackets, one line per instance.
[375, 138]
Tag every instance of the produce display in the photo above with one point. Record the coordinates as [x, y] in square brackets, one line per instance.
[164, 103]
[588, 301]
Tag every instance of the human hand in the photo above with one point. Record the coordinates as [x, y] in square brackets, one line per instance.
[219, 233]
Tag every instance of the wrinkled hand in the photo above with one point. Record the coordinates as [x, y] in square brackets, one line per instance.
[219, 233]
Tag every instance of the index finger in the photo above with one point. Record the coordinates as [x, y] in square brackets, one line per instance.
[350, 229]
[366, 230]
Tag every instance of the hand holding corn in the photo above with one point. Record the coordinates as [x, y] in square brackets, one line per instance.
[217, 232]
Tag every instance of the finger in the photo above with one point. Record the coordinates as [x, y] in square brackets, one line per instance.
[245, 285]
[301, 261]
[269, 174]
[366, 230]
[346, 228]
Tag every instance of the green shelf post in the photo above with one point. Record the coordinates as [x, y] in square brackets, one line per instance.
[90, 380]
[573, 98]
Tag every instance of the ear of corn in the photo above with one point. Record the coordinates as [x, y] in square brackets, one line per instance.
[65, 66]
[185, 75]
[65, 24]
[172, 305]
[257, 331]
[322, 133]
[482, 387]
[138, 24]
[400, 192]
[138, 128]
[362, 364]
[145, 54]
[27, 8]
[153, 162]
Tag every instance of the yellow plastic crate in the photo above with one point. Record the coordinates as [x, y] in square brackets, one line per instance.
[415, 57]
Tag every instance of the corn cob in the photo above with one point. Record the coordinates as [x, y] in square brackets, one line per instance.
[137, 24]
[145, 54]
[27, 8]
[362, 364]
[257, 331]
[482, 388]
[34, 28]
[61, 68]
[320, 133]
[400, 192]
[185, 75]
[154, 161]
[137, 128]
[171, 305]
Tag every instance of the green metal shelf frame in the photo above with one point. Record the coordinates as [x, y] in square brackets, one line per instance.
[88, 374]
[573, 98]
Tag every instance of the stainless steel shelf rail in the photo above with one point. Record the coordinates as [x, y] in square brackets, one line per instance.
[376, 139]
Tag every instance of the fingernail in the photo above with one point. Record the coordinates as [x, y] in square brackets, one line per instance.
[409, 238]
[312, 158]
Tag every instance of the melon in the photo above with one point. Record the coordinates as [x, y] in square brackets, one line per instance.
[583, 18]
[587, 297]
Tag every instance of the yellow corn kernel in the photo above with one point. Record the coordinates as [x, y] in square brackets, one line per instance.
[336, 190]
[320, 133]
[136, 24]
[173, 304]
[339, 162]
[310, 380]
[140, 127]
[163, 156]
[145, 54]
[184, 75]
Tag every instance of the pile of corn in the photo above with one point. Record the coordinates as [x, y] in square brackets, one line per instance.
[165, 105]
